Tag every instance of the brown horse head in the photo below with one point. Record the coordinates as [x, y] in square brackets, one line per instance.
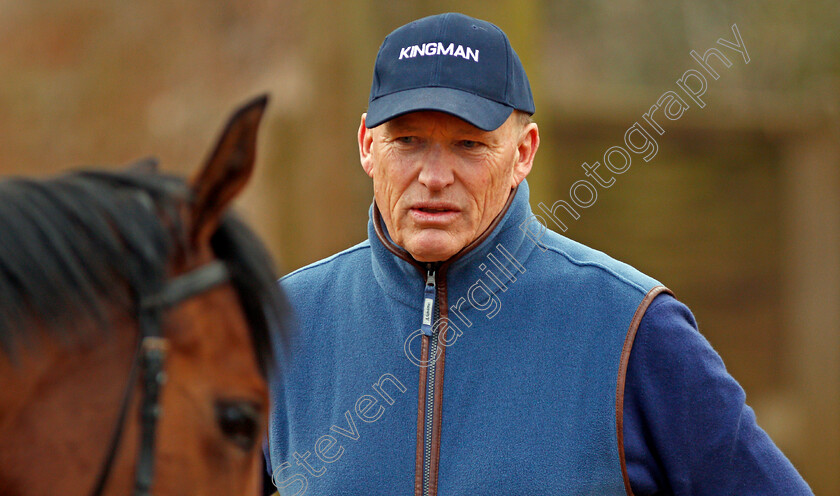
[79, 256]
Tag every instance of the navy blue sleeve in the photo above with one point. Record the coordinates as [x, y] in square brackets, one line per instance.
[687, 428]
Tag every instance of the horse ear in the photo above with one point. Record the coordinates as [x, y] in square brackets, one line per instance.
[226, 171]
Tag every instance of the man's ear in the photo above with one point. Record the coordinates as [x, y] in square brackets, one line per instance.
[365, 142]
[529, 141]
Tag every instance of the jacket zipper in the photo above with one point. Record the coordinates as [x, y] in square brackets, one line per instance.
[437, 295]
[431, 312]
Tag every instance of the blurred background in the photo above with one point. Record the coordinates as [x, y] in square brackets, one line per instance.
[738, 213]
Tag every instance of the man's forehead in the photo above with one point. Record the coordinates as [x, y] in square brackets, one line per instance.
[425, 118]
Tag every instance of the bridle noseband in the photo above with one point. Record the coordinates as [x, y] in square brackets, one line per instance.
[150, 356]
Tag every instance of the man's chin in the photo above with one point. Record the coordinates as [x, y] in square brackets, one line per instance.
[432, 246]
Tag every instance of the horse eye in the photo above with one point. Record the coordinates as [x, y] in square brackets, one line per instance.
[239, 422]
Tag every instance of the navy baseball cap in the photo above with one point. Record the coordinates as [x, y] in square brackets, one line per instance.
[450, 63]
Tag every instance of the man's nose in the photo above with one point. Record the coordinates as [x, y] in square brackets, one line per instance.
[436, 169]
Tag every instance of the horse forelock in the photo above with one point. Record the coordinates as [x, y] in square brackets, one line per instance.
[73, 243]
[75, 246]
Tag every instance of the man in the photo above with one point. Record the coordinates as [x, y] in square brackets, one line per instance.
[464, 348]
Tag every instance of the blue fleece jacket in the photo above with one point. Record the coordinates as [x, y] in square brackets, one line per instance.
[504, 369]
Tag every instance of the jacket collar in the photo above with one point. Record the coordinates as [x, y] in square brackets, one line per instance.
[403, 278]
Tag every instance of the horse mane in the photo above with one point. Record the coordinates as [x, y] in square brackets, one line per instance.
[72, 243]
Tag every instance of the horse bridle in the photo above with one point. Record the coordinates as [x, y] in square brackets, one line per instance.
[150, 356]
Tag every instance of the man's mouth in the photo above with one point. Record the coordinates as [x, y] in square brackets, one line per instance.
[434, 212]
[434, 207]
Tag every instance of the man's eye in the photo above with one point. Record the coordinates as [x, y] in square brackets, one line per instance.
[470, 144]
[407, 140]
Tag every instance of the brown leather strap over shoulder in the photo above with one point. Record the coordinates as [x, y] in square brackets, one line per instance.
[622, 376]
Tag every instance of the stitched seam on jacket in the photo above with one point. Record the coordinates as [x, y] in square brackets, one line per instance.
[315, 265]
[584, 263]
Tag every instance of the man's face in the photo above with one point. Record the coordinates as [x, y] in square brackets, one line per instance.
[439, 181]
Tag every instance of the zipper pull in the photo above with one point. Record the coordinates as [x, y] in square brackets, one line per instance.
[428, 303]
